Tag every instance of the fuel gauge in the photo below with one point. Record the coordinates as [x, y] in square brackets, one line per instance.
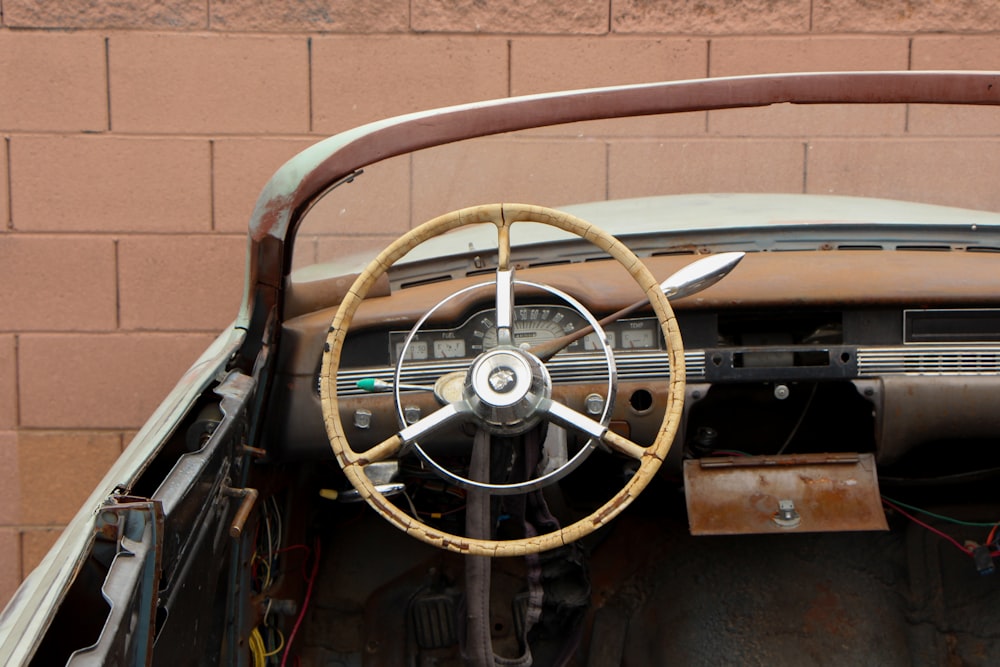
[449, 348]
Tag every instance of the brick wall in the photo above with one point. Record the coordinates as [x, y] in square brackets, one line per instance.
[136, 136]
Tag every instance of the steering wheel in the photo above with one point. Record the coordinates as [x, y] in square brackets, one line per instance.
[507, 388]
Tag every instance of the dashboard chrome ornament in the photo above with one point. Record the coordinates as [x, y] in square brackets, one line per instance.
[700, 275]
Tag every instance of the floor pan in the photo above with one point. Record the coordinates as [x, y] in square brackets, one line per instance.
[870, 598]
[662, 597]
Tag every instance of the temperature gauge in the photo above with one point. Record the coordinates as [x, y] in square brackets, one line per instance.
[637, 339]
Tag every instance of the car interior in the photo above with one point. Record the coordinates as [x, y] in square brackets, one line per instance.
[694, 428]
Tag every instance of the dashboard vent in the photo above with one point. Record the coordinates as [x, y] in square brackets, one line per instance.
[672, 252]
[924, 248]
[553, 262]
[425, 281]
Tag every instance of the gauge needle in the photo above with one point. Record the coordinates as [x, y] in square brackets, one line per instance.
[693, 278]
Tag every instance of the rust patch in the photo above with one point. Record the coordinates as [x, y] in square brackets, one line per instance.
[828, 615]
[274, 212]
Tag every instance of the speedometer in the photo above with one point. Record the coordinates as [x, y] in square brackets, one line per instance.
[532, 325]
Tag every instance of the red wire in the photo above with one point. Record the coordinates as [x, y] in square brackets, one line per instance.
[305, 560]
[305, 604]
[292, 548]
[934, 530]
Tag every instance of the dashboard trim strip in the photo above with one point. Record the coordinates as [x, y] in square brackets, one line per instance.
[923, 359]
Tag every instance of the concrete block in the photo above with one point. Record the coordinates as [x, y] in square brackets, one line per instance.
[101, 381]
[52, 81]
[57, 283]
[180, 283]
[358, 80]
[110, 184]
[472, 16]
[209, 83]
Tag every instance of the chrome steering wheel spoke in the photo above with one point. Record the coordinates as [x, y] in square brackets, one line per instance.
[505, 306]
[564, 415]
[505, 286]
[433, 422]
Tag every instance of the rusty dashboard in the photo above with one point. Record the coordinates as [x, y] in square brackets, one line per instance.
[878, 351]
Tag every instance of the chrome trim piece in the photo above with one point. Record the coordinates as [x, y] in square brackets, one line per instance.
[921, 359]
[566, 368]
[929, 359]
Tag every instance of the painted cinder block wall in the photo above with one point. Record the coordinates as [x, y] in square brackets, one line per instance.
[136, 137]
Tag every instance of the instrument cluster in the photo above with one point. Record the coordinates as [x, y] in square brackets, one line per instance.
[533, 324]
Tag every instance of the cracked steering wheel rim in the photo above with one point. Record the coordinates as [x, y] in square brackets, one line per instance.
[503, 216]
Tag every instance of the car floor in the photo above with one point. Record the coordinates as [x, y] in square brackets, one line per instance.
[659, 596]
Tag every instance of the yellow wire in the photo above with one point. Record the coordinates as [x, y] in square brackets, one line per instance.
[257, 648]
[281, 645]
[267, 574]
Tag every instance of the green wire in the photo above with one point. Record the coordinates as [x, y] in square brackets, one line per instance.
[975, 524]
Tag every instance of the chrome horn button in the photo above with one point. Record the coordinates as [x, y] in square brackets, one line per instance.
[502, 379]
[504, 388]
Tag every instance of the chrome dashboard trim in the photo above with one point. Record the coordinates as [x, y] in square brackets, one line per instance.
[570, 368]
[925, 359]
[929, 359]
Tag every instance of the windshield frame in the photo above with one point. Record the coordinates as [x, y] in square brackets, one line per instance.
[304, 179]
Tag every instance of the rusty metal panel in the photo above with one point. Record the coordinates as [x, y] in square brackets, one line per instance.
[780, 494]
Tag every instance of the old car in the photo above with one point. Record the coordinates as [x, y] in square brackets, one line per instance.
[699, 428]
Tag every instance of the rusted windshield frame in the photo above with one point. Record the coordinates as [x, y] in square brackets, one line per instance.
[297, 185]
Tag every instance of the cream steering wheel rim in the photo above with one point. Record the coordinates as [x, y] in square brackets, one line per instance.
[503, 216]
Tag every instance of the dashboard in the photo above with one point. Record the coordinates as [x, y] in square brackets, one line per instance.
[881, 352]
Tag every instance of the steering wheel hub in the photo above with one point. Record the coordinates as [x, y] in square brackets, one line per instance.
[504, 387]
